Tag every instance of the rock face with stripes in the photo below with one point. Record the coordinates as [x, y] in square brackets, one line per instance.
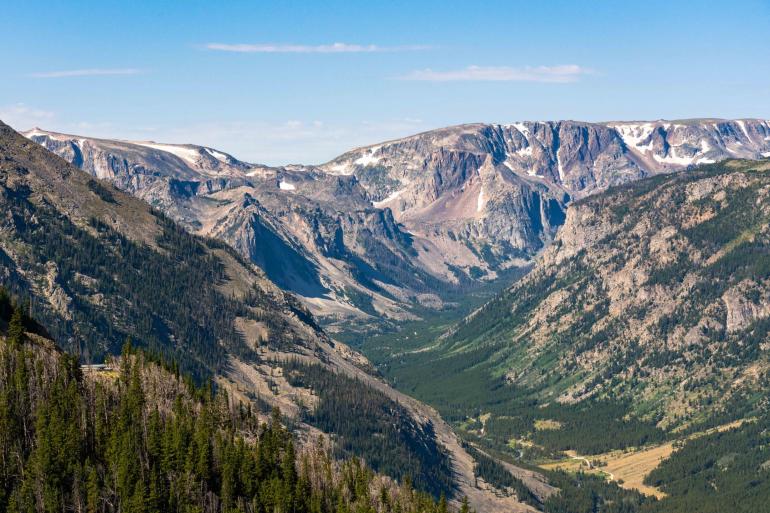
[579, 157]
[504, 188]
[383, 228]
[654, 293]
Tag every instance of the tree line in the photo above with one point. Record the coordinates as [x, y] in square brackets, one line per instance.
[139, 439]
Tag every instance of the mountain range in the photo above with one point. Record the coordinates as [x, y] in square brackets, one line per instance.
[396, 229]
[637, 348]
[97, 267]
[653, 294]
[643, 315]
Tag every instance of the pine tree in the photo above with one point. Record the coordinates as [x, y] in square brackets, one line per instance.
[289, 475]
[464, 507]
[227, 491]
[16, 328]
[6, 306]
[92, 491]
[442, 505]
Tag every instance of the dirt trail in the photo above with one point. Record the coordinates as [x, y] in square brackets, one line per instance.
[483, 501]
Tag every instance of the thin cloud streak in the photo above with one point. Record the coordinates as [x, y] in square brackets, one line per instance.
[331, 48]
[554, 74]
[22, 117]
[92, 72]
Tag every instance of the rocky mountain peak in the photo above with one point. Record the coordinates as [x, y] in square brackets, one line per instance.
[481, 197]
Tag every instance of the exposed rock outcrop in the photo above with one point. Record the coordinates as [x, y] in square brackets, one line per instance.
[371, 231]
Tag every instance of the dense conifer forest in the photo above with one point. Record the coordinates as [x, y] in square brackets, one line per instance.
[501, 375]
[369, 424]
[140, 438]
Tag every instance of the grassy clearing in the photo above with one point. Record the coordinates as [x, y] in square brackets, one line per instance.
[107, 375]
[547, 425]
[629, 468]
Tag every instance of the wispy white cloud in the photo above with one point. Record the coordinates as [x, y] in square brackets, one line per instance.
[329, 48]
[21, 117]
[558, 74]
[90, 72]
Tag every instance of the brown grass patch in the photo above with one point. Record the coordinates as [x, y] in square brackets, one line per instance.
[629, 468]
[547, 425]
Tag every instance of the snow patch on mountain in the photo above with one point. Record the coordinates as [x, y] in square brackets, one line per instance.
[393, 196]
[342, 168]
[190, 155]
[368, 158]
[37, 132]
[559, 165]
[522, 128]
[526, 152]
[480, 201]
[634, 134]
[531, 171]
[218, 155]
[668, 126]
[743, 127]
[672, 158]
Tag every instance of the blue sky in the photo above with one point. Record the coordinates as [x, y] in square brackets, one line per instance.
[285, 82]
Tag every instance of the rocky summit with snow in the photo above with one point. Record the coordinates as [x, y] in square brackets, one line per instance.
[383, 229]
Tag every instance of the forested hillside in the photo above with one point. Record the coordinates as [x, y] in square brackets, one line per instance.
[139, 438]
[96, 266]
[641, 336]
[654, 298]
[368, 423]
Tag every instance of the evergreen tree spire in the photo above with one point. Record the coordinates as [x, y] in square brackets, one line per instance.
[16, 328]
[464, 507]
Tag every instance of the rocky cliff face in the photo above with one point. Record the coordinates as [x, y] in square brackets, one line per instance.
[504, 187]
[313, 233]
[382, 228]
[656, 293]
[581, 158]
[99, 265]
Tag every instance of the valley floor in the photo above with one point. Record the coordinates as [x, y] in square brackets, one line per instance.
[462, 462]
[629, 468]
